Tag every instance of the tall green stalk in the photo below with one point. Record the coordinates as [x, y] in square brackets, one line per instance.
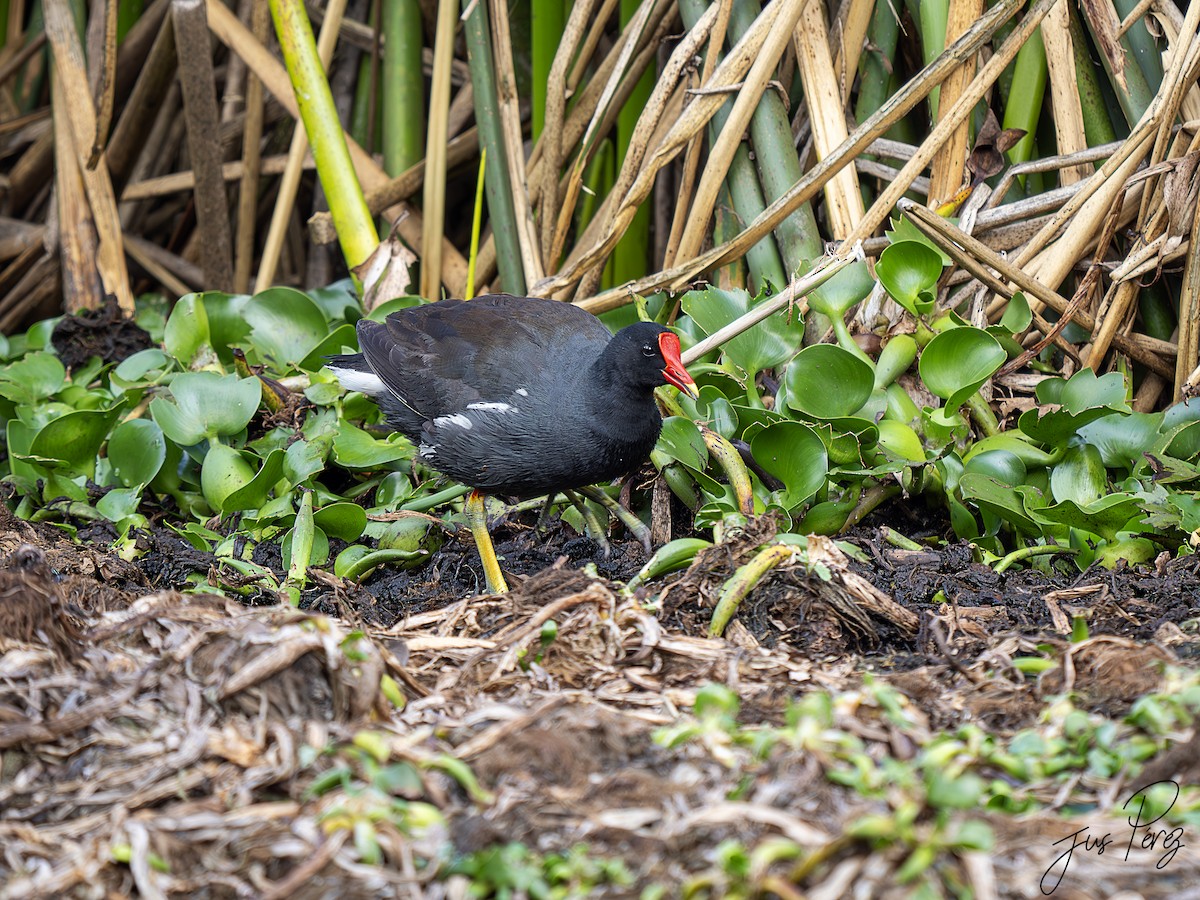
[547, 19]
[487, 113]
[763, 259]
[778, 163]
[1097, 126]
[403, 86]
[629, 259]
[1026, 96]
[128, 12]
[351, 218]
[1140, 44]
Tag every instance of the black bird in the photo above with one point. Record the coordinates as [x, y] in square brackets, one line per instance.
[516, 396]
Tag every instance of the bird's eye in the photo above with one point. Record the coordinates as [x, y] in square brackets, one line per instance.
[648, 351]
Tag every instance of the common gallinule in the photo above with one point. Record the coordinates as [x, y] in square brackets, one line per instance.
[516, 396]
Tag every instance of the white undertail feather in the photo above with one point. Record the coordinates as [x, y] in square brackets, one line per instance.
[364, 382]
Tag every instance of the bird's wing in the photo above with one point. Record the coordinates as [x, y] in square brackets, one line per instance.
[439, 358]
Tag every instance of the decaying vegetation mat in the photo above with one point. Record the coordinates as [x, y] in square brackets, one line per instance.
[159, 744]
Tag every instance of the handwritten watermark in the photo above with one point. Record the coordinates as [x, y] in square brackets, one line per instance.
[1142, 834]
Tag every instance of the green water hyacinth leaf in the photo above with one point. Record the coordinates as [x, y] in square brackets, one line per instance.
[303, 459]
[353, 448]
[795, 454]
[32, 378]
[385, 309]
[72, 441]
[338, 300]
[835, 297]
[343, 336]
[956, 363]
[223, 473]
[1122, 440]
[1017, 315]
[254, 493]
[904, 230]
[1184, 443]
[187, 328]
[828, 382]
[1007, 502]
[285, 326]
[144, 367]
[1105, 517]
[1181, 413]
[908, 271]
[1080, 476]
[137, 450]
[1003, 465]
[1084, 391]
[345, 521]
[206, 405]
[769, 343]
[899, 441]
[227, 327]
[681, 441]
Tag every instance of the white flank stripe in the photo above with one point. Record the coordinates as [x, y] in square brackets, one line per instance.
[457, 419]
[497, 407]
[365, 382]
[523, 392]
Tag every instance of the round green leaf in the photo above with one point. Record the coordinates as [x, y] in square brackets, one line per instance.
[187, 328]
[680, 440]
[32, 378]
[795, 454]
[253, 493]
[226, 324]
[957, 362]
[73, 440]
[899, 441]
[345, 521]
[828, 382]
[285, 326]
[137, 450]
[835, 297]
[206, 405]
[906, 269]
[769, 343]
[136, 369]
[1122, 440]
[353, 448]
[1003, 465]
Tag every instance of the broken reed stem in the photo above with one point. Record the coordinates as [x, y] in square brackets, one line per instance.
[81, 119]
[247, 212]
[200, 111]
[434, 205]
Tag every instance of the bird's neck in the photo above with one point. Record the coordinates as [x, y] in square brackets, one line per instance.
[611, 399]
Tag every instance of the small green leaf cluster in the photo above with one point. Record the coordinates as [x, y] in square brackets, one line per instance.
[204, 435]
[924, 800]
[513, 870]
[838, 432]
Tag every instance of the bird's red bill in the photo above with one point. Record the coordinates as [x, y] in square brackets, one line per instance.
[675, 373]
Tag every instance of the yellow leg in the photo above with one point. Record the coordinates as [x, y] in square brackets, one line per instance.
[477, 520]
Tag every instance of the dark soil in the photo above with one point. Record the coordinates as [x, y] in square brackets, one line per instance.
[561, 734]
[106, 332]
